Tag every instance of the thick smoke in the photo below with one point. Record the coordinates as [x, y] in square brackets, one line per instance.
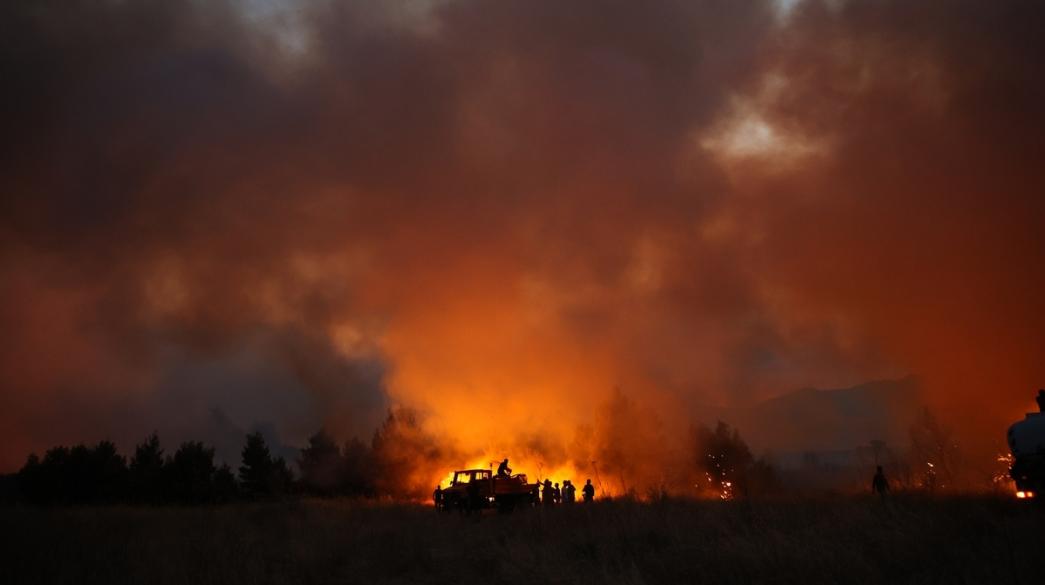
[920, 225]
[497, 213]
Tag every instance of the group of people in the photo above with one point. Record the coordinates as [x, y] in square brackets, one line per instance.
[545, 492]
[551, 494]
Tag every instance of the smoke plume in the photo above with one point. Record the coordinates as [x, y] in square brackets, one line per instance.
[555, 231]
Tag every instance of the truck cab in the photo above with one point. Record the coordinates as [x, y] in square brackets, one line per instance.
[467, 476]
[472, 489]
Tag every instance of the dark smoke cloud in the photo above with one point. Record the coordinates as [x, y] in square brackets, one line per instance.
[499, 212]
[921, 224]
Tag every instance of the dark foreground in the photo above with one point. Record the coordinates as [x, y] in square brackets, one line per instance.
[843, 540]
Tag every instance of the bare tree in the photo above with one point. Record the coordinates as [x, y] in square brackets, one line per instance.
[935, 456]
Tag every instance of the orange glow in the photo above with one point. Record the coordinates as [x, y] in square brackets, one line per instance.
[534, 470]
[498, 238]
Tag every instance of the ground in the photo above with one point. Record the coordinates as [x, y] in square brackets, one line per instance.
[805, 541]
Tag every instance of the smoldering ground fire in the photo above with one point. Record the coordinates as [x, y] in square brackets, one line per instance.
[512, 218]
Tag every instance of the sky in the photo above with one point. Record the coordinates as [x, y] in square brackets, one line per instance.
[506, 216]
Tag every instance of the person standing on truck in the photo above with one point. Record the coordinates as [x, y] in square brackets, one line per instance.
[879, 485]
[503, 470]
[588, 491]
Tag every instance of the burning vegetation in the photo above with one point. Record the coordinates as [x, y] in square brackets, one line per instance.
[341, 253]
[307, 218]
[726, 465]
[626, 454]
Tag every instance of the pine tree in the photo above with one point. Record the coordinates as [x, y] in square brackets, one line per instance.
[190, 473]
[357, 470]
[321, 465]
[225, 487]
[257, 469]
[146, 470]
[723, 458]
[108, 473]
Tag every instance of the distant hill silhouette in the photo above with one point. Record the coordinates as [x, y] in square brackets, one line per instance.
[817, 420]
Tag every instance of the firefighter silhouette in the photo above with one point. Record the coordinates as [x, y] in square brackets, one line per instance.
[879, 484]
[503, 470]
[569, 492]
[588, 491]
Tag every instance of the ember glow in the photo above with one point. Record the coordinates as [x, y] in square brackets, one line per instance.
[563, 235]
[1002, 478]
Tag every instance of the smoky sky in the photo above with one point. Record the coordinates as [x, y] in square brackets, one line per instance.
[219, 217]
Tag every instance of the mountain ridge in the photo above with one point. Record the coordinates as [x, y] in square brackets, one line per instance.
[812, 419]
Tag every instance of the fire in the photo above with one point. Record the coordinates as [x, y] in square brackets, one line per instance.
[535, 471]
[1001, 479]
[720, 486]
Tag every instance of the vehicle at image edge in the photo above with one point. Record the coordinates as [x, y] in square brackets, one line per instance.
[1027, 443]
[502, 492]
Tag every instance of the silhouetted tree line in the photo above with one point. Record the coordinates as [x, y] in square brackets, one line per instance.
[327, 470]
[397, 462]
[100, 475]
[388, 466]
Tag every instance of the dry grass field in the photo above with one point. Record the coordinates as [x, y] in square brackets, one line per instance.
[802, 541]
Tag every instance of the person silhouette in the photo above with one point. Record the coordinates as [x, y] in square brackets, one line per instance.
[437, 497]
[557, 493]
[569, 492]
[879, 485]
[503, 470]
[1041, 400]
[547, 493]
[588, 491]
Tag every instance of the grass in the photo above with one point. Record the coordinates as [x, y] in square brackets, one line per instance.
[806, 541]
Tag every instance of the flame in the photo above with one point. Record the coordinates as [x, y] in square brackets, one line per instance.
[1001, 479]
[535, 471]
[720, 486]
